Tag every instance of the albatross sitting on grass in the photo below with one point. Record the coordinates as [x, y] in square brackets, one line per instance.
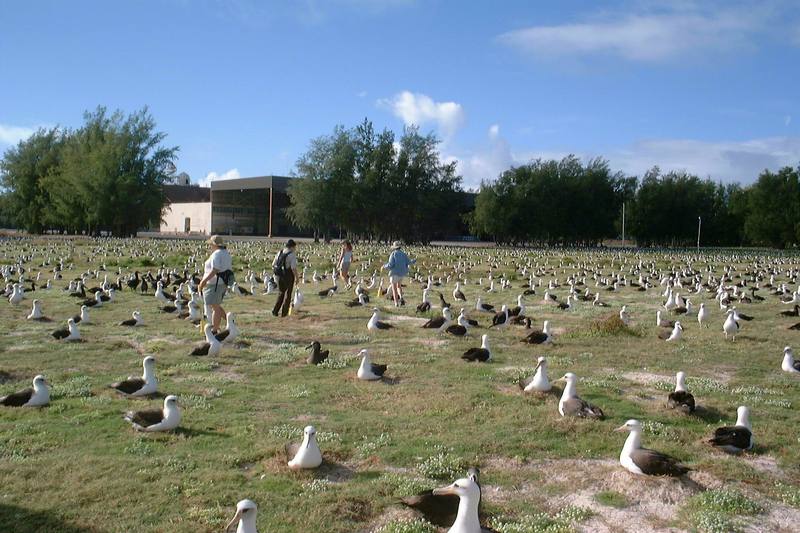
[640, 460]
[571, 404]
[304, 455]
[482, 354]
[789, 364]
[154, 420]
[36, 396]
[70, 333]
[680, 398]
[211, 347]
[140, 386]
[374, 323]
[736, 438]
[539, 381]
[369, 371]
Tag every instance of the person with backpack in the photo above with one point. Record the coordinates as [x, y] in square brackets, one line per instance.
[284, 267]
[217, 276]
[398, 269]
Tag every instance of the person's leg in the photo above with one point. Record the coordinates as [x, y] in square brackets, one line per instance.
[281, 294]
[287, 300]
[395, 295]
[218, 313]
[400, 291]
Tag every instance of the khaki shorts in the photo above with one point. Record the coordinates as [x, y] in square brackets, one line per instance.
[213, 293]
[396, 279]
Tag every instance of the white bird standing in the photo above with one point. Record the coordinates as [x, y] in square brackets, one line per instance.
[297, 301]
[730, 326]
[307, 454]
[702, 315]
[624, 315]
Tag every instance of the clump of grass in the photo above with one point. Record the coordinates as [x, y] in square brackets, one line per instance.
[316, 485]
[77, 387]
[299, 391]
[442, 465]
[788, 494]
[197, 366]
[714, 511]
[513, 375]
[403, 485]
[610, 498]
[562, 522]
[369, 446]
[610, 326]
[407, 525]
[660, 429]
[333, 363]
[290, 432]
[139, 447]
[281, 353]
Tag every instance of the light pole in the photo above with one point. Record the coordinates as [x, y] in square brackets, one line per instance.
[699, 222]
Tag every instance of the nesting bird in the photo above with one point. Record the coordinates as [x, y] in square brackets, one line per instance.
[482, 354]
[305, 455]
[369, 371]
[140, 386]
[36, 396]
[70, 333]
[539, 381]
[133, 322]
[680, 398]
[374, 323]
[789, 364]
[154, 420]
[736, 438]
[640, 460]
[571, 404]
[317, 354]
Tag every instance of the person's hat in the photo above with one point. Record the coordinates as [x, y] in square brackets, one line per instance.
[216, 240]
[290, 243]
[396, 245]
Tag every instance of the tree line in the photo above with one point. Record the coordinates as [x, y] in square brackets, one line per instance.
[567, 202]
[371, 186]
[105, 176]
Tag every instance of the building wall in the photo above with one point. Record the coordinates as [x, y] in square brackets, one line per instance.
[199, 215]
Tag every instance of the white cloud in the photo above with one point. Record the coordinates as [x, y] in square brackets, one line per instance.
[726, 161]
[14, 134]
[645, 37]
[787, 120]
[232, 174]
[494, 131]
[420, 109]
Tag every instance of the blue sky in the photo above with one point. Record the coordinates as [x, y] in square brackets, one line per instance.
[241, 86]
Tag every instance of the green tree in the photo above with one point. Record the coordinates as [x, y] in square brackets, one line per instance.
[773, 216]
[24, 171]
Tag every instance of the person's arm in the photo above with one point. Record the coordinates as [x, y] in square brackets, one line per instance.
[294, 266]
[211, 274]
[391, 262]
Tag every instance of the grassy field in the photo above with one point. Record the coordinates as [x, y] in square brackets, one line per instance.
[78, 466]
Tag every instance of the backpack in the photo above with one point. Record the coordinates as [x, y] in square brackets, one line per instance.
[280, 265]
[227, 277]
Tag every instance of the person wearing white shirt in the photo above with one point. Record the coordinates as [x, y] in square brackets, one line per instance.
[217, 275]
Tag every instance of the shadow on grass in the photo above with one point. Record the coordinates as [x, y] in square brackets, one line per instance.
[14, 519]
[193, 432]
[708, 414]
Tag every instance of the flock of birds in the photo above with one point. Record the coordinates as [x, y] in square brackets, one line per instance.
[457, 505]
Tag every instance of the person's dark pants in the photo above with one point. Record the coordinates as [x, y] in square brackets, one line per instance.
[285, 286]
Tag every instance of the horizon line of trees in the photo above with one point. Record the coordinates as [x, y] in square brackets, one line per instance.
[105, 176]
[108, 176]
[567, 202]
